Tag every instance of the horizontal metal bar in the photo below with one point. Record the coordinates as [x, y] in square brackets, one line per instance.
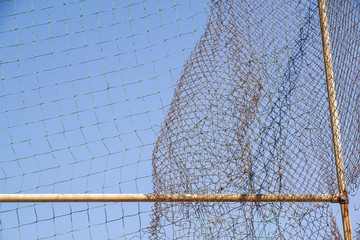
[334, 198]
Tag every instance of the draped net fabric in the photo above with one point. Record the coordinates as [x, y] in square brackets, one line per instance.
[250, 114]
[182, 96]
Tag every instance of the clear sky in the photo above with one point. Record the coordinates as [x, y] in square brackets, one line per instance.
[85, 86]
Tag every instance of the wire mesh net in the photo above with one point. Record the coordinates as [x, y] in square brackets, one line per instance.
[175, 97]
[250, 115]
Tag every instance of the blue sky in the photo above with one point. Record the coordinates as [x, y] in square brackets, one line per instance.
[85, 86]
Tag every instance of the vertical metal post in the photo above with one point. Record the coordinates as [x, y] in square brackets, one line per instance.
[334, 119]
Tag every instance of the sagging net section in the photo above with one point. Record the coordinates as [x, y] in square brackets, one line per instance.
[250, 115]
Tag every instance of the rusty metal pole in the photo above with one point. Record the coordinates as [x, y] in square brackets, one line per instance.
[332, 198]
[334, 120]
